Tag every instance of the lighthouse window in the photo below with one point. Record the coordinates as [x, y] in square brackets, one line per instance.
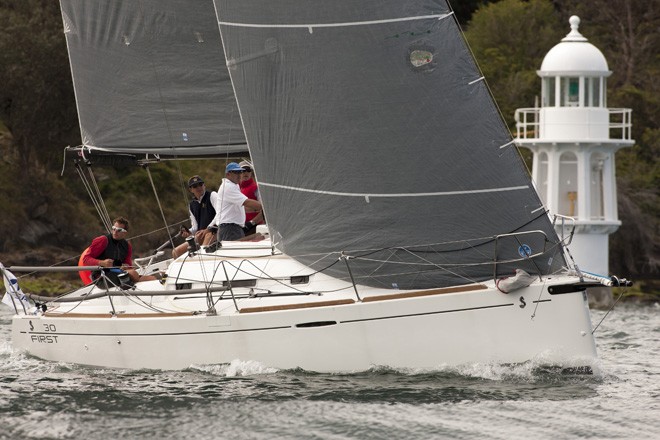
[548, 91]
[570, 92]
[592, 92]
[597, 204]
[568, 195]
[542, 182]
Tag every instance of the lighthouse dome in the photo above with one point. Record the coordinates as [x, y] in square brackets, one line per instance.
[574, 56]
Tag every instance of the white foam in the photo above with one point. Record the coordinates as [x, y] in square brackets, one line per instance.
[237, 368]
[531, 371]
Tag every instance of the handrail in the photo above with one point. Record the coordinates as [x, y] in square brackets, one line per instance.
[55, 268]
[522, 130]
[527, 256]
[65, 299]
[563, 219]
[528, 122]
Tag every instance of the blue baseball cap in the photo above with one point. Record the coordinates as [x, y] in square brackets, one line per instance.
[233, 166]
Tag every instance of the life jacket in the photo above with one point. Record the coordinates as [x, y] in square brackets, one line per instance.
[117, 250]
[203, 211]
[85, 275]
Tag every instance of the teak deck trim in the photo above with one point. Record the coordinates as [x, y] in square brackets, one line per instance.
[339, 302]
[367, 299]
[424, 293]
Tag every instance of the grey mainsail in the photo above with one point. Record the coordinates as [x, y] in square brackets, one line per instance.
[375, 136]
[150, 77]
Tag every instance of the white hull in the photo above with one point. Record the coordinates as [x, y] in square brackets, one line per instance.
[420, 330]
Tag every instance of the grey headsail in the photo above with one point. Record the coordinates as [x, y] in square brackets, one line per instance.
[150, 77]
[374, 136]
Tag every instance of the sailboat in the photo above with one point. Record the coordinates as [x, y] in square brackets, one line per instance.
[403, 228]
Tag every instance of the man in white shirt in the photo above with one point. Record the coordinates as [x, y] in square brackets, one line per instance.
[231, 204]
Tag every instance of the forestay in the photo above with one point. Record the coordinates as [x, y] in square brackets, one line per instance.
[373, 133]
[150, 77]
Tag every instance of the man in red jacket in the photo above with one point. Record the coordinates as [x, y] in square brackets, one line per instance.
[113, 250]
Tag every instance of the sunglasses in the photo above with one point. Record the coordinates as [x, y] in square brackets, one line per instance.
[196, 185]
[236, 172]
[248, 170]
[115, 228]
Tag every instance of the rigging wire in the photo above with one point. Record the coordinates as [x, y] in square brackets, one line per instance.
[169, 234]
[95, 195]
[106, 215]
[538, 301]
[610, 309]
[182, 182]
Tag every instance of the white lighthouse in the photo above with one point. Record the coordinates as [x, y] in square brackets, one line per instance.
[574, 137]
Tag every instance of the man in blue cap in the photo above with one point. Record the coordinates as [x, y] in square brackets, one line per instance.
[231, 204]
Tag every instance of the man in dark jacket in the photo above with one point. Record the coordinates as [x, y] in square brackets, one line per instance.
[201, 212]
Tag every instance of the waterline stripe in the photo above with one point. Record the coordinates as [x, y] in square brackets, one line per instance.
[366, 195]
[320, 25]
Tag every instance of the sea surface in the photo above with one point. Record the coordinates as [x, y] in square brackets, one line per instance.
[247, 400]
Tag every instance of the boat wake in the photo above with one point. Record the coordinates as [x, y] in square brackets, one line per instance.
[236, 368]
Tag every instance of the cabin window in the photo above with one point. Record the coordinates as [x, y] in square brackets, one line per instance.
[568, 185]
[240, 283]
[548, 92]
[302, 279]
[596, 167]
[542, 178]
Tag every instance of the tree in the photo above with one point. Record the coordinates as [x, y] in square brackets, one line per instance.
[627, 33]
[509, 40]
[36, 93]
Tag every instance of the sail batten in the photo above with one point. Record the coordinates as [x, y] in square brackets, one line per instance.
[418, 194]
[342, 24]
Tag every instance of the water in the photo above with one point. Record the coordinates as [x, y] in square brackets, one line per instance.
[246, 400]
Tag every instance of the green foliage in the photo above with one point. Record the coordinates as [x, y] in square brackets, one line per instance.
[464, 8]
[509, 40]
[36, 95]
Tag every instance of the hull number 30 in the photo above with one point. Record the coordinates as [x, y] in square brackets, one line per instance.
[44, 339]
